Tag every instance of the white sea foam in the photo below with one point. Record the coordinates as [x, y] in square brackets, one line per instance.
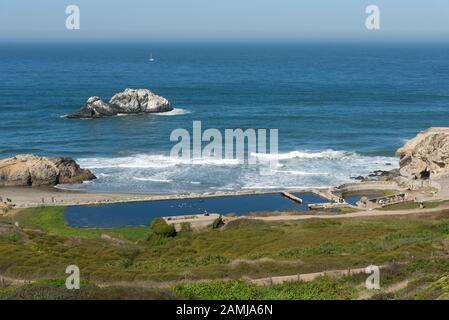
[153, 179]
[174, 112]
[276, 187]
[327, 154]
[157, 173]
[303, 173]
[150, 161]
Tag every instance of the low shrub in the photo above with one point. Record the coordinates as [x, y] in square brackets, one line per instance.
[186, 230]
[217, 223]
[161, 228]
[243, 222]
[321, 288]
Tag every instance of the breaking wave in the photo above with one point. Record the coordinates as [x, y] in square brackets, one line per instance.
[157, 173]
[174, 112]
[328, 154]
[143, 161]
[152, 179]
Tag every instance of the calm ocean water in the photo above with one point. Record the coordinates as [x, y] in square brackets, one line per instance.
[341, 109]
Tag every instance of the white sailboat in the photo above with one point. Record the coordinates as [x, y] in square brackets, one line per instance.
[151, 58]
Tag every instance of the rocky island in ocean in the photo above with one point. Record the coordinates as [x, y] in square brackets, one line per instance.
[125, 102]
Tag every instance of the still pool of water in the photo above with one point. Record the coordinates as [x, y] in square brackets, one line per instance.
[353, 199]
[142, 213]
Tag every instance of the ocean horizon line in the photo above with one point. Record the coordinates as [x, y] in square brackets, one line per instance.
[323, 41]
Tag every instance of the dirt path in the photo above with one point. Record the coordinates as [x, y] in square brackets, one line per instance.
[14, 281]
[365, 294]
[398, 286]
[359, 214]
[307, 277]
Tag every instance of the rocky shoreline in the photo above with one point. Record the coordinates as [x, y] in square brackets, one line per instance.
[422, 160]
[129, 101]
[35, 171]
[427, 153]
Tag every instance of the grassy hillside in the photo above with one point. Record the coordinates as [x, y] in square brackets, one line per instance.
[243, 249]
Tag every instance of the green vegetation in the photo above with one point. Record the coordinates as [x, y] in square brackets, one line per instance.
[161, 228]
[347, 210]
[186, 230]
[56, 290]
[51, 220]
[320, 289]
[426, 280]
[243, 248]
[414, 205]
[388, 193]
[217, 223]
[425, 288]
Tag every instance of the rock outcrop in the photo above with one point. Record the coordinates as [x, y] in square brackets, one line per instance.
[426, 155]
[4, 208]
[30, 170]
[126, 102]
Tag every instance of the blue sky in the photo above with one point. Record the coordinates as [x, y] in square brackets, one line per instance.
[225, 19]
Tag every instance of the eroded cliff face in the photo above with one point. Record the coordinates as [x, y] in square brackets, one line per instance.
[31, 170]
[426, 155]
[125, 102]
